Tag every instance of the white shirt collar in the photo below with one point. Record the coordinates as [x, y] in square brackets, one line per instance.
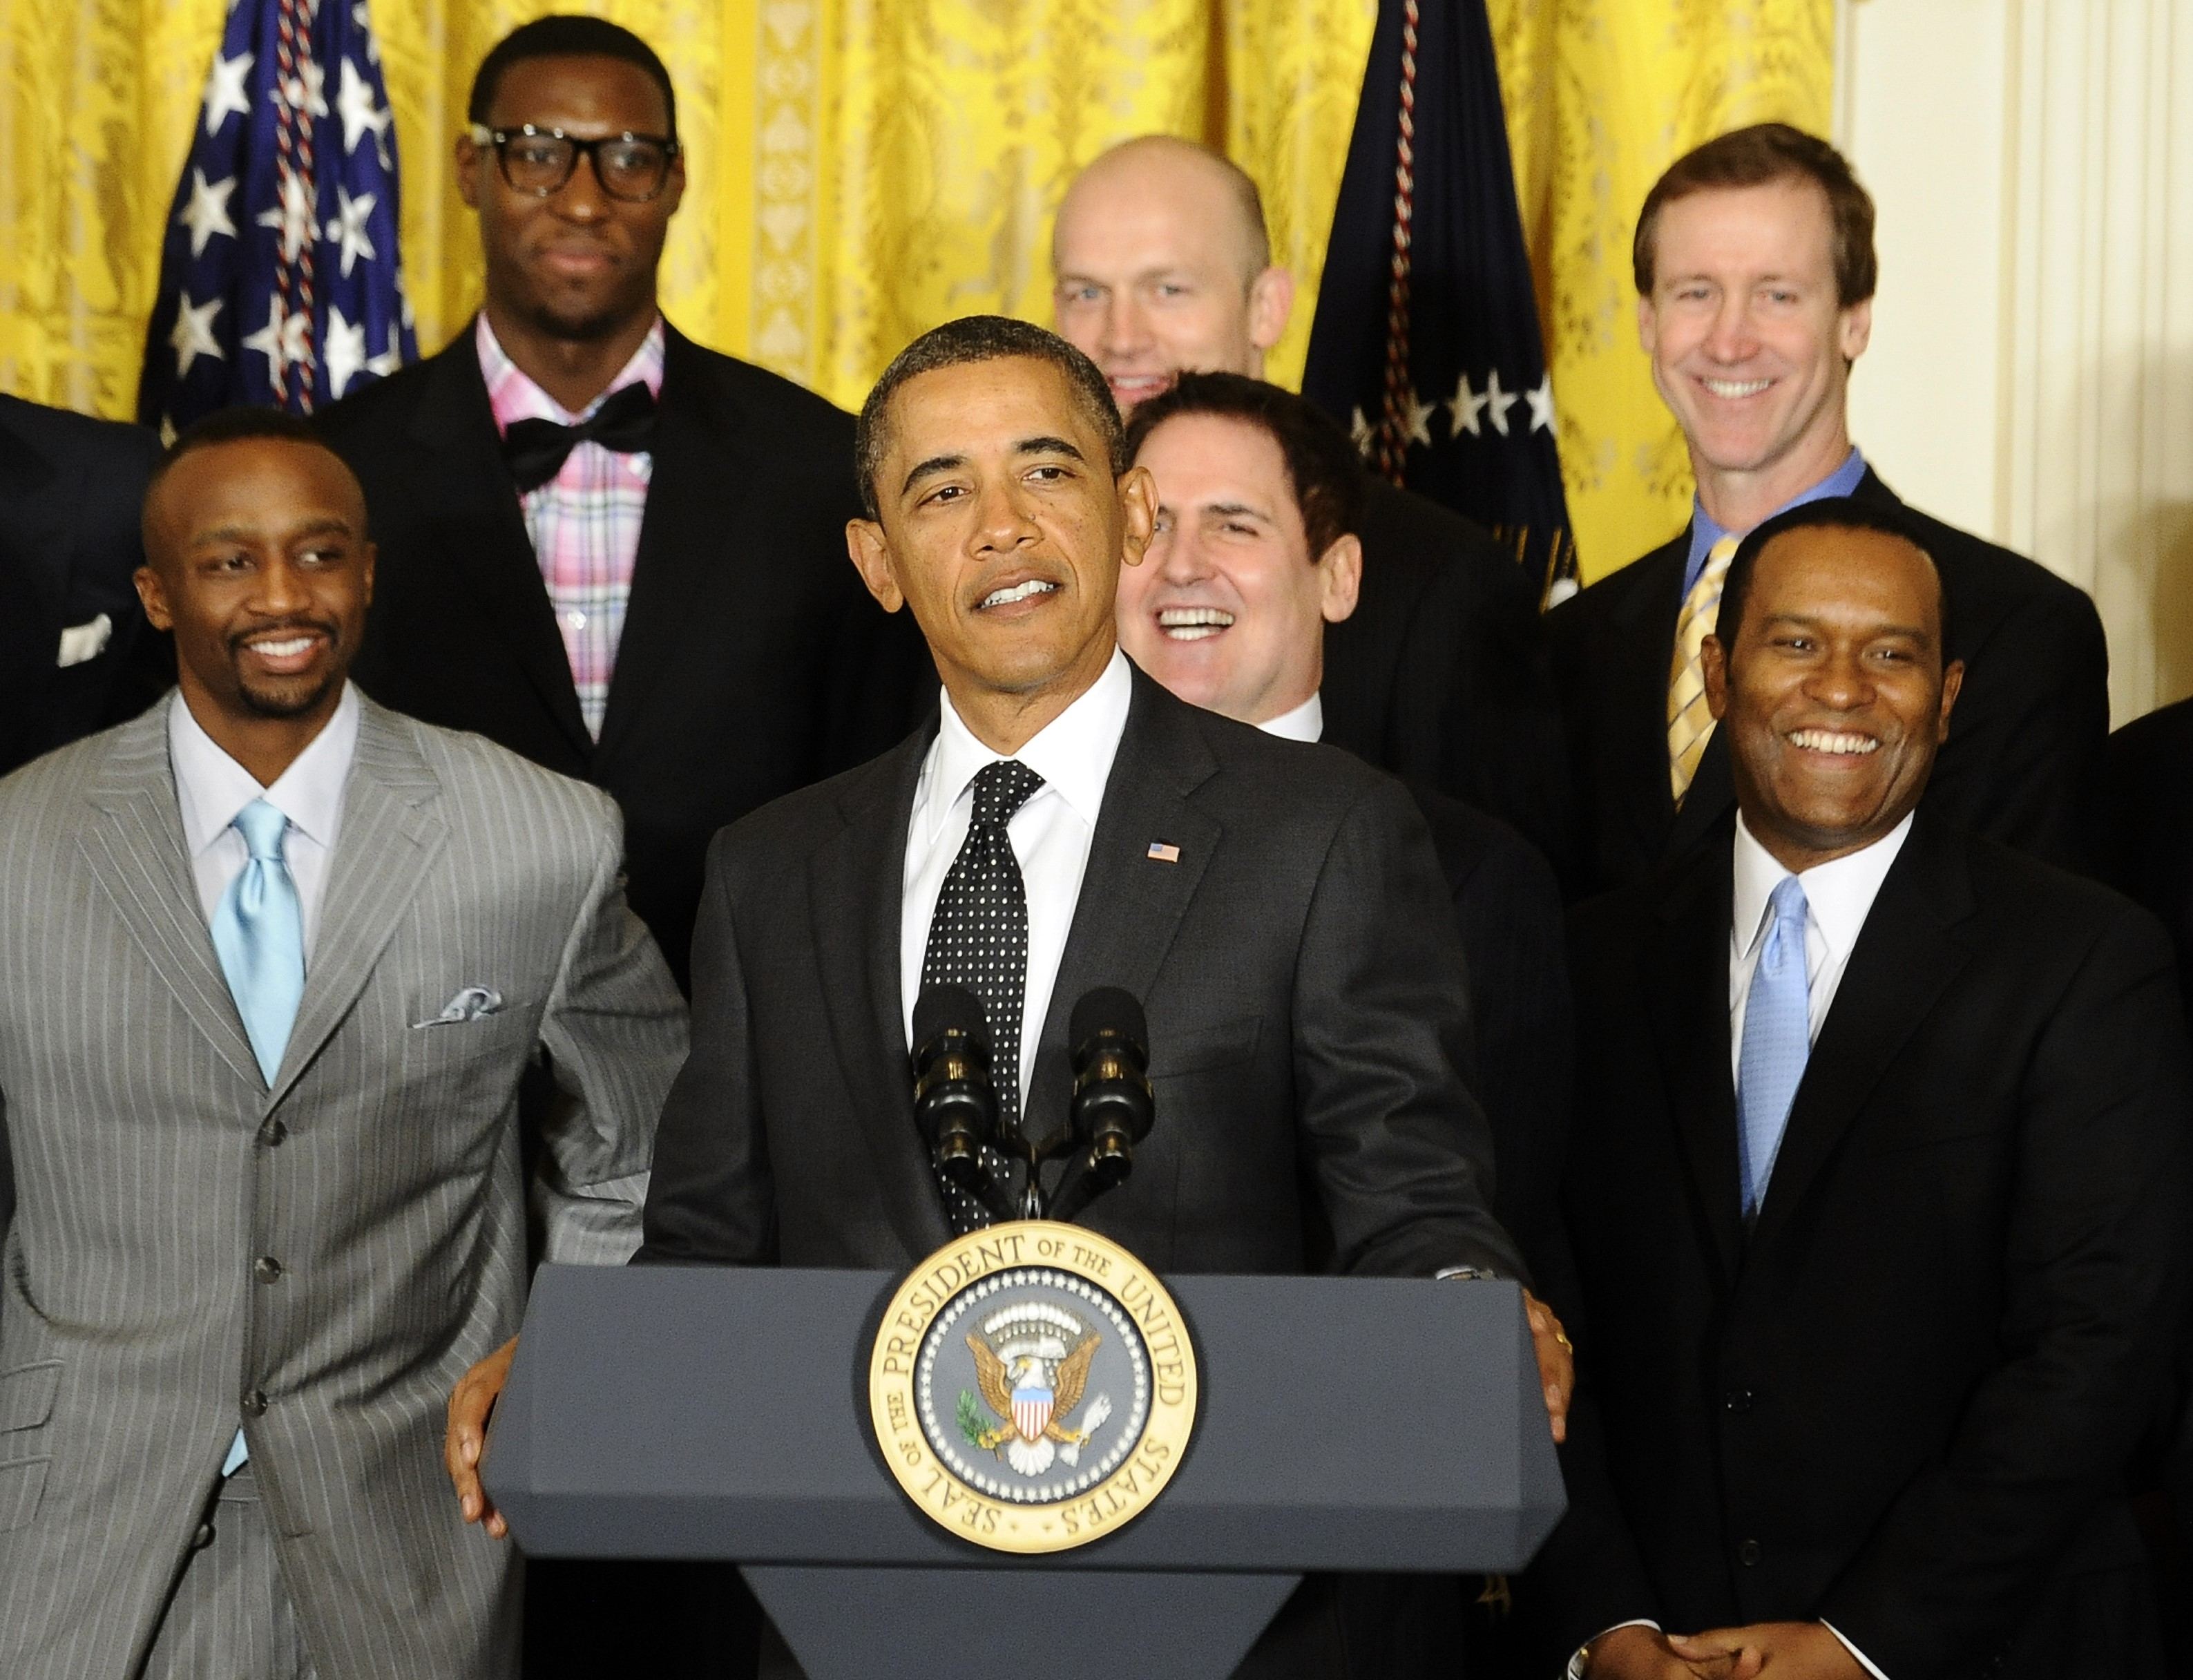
[1305, 723]
[1072, 753]
[1839, 894]
[212, 787]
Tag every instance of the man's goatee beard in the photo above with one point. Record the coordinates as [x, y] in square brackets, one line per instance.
[262, 704]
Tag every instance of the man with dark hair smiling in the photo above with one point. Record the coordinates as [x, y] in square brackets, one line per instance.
[1254, 554]
[276, 962]
[1874, 1191]
[603, 545]
[1062, 822]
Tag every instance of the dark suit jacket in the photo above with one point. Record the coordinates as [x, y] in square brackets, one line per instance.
[71, 489]
[2147, 808]
[1903, 1402]
[1297, 965]
[2024, 742]
[753, 661]
[1507, 907]
[1440, 674]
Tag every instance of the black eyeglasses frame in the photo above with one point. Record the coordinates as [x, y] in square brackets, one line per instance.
[499, 140]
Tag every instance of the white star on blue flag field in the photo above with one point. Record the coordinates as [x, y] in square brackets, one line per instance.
[280, 279]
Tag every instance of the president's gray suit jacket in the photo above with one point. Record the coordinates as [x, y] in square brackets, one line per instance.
[155, 1175]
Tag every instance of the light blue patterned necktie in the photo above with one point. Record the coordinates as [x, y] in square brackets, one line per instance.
[1777, 1043]
[259, 934]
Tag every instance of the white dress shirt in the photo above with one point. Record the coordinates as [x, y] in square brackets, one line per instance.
[1305, 723]
[1838, 898]
[212, 788]
[1050, 835]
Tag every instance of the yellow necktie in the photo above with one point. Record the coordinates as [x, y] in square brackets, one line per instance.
[1690, 725]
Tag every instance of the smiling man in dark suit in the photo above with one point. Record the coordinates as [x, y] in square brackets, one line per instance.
[1876, 1192]
[1257, 555]
[1064, 823]
[601, 545]
[1755, 268]
[75, 652]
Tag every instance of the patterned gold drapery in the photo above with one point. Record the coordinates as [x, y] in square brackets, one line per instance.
[863, 168]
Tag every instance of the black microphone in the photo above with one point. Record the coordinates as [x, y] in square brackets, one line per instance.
[954, 1103]
[1112, 1106]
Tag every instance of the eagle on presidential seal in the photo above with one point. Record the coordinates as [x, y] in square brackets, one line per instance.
[1032, 1365]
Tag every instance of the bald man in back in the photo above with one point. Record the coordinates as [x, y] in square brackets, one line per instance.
[1162, 264]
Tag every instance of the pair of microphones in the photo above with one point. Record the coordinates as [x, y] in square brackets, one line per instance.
[955, 1102]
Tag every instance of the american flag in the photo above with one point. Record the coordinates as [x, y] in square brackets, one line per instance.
[1426, 343]
[279, 279]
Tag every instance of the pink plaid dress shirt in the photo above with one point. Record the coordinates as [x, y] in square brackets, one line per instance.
[584, 521]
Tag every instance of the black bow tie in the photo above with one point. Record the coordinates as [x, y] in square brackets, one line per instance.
[535, 449]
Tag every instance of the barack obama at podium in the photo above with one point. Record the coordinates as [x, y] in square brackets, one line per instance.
[1064, 822]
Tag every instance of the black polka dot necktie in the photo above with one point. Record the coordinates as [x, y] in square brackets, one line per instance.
[978, 939]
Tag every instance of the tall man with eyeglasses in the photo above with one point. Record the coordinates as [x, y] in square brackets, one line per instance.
[601, 545]
[621, 555]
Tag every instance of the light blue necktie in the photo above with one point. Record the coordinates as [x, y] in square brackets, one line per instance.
[1777, 1043]
[259, 934]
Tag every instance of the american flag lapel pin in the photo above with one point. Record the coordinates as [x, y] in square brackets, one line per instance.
[1164, 851]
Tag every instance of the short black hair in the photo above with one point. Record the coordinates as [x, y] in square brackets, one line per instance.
[566, 35]
[1834, 513]
[236, 425]
[1323, 468]
[960, 343]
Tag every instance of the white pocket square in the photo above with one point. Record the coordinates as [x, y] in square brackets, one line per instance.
[468, 1004]
[80, 642]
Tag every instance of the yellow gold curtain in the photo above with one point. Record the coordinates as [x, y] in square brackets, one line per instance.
[863, 169]
[859, 170]
[1601, 96]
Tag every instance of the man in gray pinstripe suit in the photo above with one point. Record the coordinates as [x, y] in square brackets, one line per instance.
[272, 963]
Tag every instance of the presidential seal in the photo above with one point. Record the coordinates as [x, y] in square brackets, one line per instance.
[1032, 1387]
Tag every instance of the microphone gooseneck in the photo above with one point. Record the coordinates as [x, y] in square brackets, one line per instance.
[1113, 1106]
[955, 1101]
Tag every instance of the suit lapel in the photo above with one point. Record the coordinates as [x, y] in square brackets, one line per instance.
[1161, 761]
[134, 844]
[1689, 1001]
[1711, 797]
[692, 501]
[857, 888]
[1643, 639]
[1907, 953]
[390, 836]
[485, 528]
